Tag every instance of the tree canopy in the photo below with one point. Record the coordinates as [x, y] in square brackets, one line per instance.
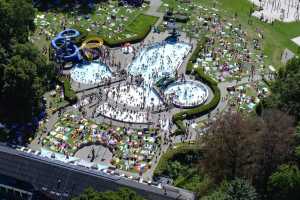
[17, 21]
[237, 189]
[286, 89]
[25, 73]
[248, 146]
[285, 183]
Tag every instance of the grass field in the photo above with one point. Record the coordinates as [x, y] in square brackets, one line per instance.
[141, 23]
[109, 21]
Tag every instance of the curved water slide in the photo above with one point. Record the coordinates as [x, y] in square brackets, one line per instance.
[65, 49]
[89, 47]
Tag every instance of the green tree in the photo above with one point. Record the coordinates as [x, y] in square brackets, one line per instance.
[17, 21]
[240, 189]
[121, 194]
[285, 183]
[286, 89]
[24, 72]
[217, 195]
[237, 189]
[25, 79]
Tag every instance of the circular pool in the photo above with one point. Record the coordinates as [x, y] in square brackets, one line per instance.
[187, 94]
[90, 73]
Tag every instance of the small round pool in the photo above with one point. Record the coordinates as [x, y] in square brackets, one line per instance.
[187, 94]
[90, 73]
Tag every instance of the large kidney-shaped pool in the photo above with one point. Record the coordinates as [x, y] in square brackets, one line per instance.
[158, 61]
[187, 94]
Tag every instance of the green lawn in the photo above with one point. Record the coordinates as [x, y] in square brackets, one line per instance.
[141, 23]
[109, 21]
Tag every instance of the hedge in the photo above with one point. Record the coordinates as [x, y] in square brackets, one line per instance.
[69, 93]
[202, 109]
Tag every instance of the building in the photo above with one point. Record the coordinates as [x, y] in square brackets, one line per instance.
[33, 174]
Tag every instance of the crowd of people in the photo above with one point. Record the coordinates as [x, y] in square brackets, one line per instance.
[187, 93]
[230, 51]
[134, 96]
[131, 148]
[159, 60]
[123, 114]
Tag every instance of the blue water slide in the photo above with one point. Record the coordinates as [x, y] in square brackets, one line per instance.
[69, 33]
[65, 49]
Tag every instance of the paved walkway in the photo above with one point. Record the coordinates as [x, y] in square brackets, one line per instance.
[154, 10]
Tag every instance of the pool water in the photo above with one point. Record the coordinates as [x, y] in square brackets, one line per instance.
[187, 94]
[158, 61]
[90, 73]
[134, 96]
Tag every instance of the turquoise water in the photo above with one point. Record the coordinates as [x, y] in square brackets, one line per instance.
[187, 93]
[90, 73]
[158, 61]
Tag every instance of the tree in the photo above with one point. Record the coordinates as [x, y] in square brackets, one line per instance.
[17, 21]
[238, 189]
[217, 195]
[228, 147]
[286, 89]
[24, 81]
[121, 194]
[248, 146]
[25, 73]
[275, 144]
[285, 183]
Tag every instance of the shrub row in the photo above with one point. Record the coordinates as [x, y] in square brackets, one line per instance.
[202, 109]
[201, 44]
[69, 93]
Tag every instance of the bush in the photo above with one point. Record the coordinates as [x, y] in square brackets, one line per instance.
[69, 93]
[174, 154]
[4, 135]
[135, 39]
[180, 18]
[202, 109]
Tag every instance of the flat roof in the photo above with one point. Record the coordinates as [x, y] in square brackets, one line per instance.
[44, 174]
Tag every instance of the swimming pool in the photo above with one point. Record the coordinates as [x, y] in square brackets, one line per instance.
[90, 73]
[158, 61]
[187, 94]
[134, 96]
